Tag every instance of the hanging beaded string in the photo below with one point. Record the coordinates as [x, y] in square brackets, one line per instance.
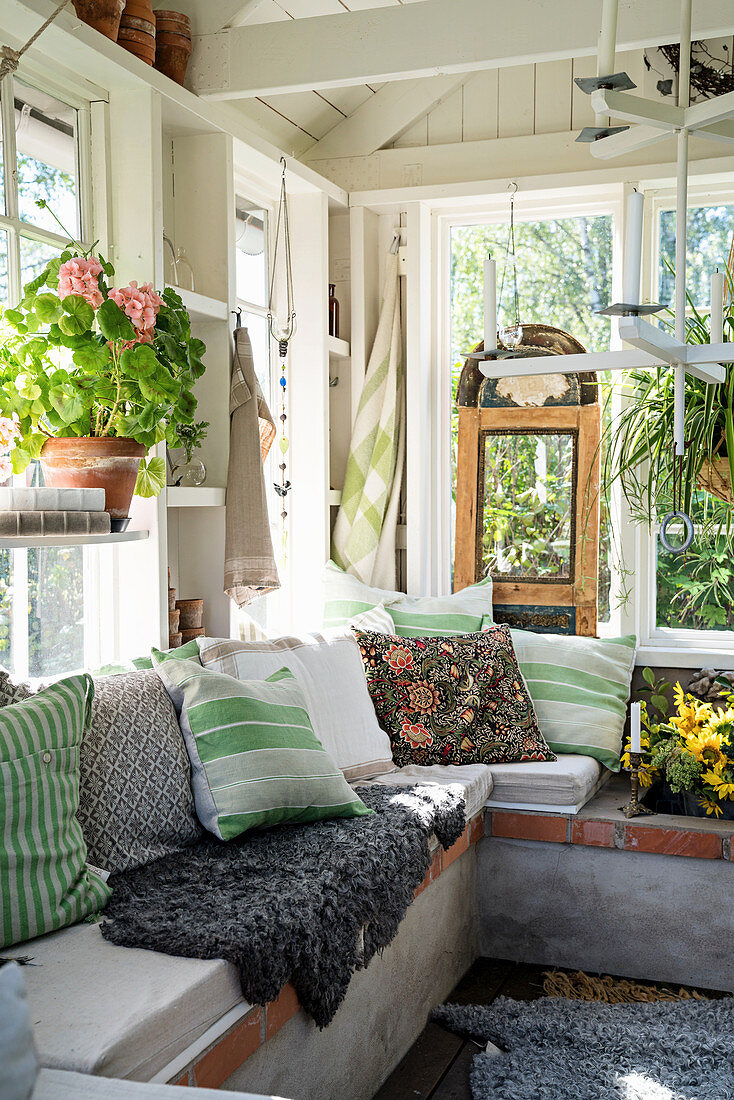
[510, 253]
[282, 334]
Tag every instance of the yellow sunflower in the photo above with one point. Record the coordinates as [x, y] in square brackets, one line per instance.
[692, 714]
[711, 806]
[723, 787]
[706, 747]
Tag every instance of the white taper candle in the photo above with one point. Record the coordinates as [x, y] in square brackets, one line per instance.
[717, 307]
[635, 728]
[490, 305]
[633, 248]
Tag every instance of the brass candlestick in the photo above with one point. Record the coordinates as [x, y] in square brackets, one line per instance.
[634, 807]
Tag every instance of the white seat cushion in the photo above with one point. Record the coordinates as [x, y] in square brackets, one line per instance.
[58, 1084]
[118, 1011]
[476, 779]
[564, 784]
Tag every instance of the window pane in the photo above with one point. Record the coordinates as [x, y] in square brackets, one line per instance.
[251, 256]
[4, 296]
[708, 239]
[528, 526]
[55, 610]
[33, 258]
[46, 145]
[6, 603]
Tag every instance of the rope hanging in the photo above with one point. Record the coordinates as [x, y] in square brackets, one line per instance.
[282, 334]
[11, 58]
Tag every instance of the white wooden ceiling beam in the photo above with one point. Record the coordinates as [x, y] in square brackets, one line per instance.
[404, 41]
[383, 116]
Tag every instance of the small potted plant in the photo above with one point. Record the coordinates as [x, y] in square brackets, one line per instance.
[94, 375]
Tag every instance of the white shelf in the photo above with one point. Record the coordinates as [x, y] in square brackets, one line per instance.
[200, 307]
[195, 496]
[38, 541]
[335, 498]
[339, 349]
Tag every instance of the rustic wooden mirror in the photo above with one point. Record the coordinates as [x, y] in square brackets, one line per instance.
[527, 480]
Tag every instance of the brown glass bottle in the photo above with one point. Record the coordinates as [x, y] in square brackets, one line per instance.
[333, 312]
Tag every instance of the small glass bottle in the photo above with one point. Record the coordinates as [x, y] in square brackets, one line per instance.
[184, 271]
[333, 312]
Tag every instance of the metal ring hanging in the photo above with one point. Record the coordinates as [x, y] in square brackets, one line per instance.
[680, 517]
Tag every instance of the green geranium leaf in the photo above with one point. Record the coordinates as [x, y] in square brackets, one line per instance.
[52, 273]
[47, 308]
[68, 402]
[185, 407]
[33, 444]
[15, 318]
[151, 477]
[19, 460]
[139, 361]
[78, 316]
[114, 324]
[92, 357]
[160, 388]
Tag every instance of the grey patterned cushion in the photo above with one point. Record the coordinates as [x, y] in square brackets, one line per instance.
[135, 802]
[10, 692]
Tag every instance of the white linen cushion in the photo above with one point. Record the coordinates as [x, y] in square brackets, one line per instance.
[18, 1061]
[579, 687]
[59, 1084]
[563, 784]
[413, 616]
[476, 779]
[329, 669]
[119, 1011]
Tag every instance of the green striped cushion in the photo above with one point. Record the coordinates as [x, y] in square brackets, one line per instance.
[190, 649]
[45, 883]
[413, 616]
[579, 687]
[255, 759]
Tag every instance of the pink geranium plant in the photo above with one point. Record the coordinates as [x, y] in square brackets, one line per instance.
[82, 357]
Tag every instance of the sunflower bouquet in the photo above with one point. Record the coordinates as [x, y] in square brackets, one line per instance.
[692, 751]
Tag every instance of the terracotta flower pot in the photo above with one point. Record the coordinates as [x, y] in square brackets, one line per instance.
[172, 58]
[192, 613]
[103, 15]
[175, 640]
[189, 635]
[95, 463]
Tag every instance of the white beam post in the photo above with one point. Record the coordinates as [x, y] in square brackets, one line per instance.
[419, 400]
[403, 41]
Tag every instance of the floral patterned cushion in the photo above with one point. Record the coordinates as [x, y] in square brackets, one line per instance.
[455, 700]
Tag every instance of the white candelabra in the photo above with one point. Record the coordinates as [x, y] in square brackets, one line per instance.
[650, 347]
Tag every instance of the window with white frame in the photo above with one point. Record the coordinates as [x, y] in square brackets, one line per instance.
[42, 591]
[252, 274]
[564, 274]
[694, 592]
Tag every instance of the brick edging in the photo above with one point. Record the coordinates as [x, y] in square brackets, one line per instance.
[630, 836]
[213, 1068]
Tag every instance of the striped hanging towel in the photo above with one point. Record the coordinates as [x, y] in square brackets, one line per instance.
[364, 535]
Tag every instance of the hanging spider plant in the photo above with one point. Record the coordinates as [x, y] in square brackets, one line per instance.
[637, 444]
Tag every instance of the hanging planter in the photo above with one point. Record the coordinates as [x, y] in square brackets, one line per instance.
[715, 477]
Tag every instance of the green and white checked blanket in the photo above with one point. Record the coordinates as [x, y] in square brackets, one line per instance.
[364, 534]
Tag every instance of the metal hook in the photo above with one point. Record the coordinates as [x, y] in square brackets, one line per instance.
[284, 162]
[238, 312]
[512, 183]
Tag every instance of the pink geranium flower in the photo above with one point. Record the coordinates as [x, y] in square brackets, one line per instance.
[141, 305]
[9, 431]
[80, 276]
[6, 468]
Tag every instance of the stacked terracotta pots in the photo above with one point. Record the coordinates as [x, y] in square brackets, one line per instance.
[103, 15]
[173, 44]
[191, 619]
[137, 30]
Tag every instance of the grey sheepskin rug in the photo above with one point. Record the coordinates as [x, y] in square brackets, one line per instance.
[554, 1049]
[290, 903]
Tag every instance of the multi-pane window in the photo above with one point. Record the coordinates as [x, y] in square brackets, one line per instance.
[695, 590]
[564, 275]
[41, 590]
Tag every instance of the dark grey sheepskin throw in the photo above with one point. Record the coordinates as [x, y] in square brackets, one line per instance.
[289, 904]
[576, 1050]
